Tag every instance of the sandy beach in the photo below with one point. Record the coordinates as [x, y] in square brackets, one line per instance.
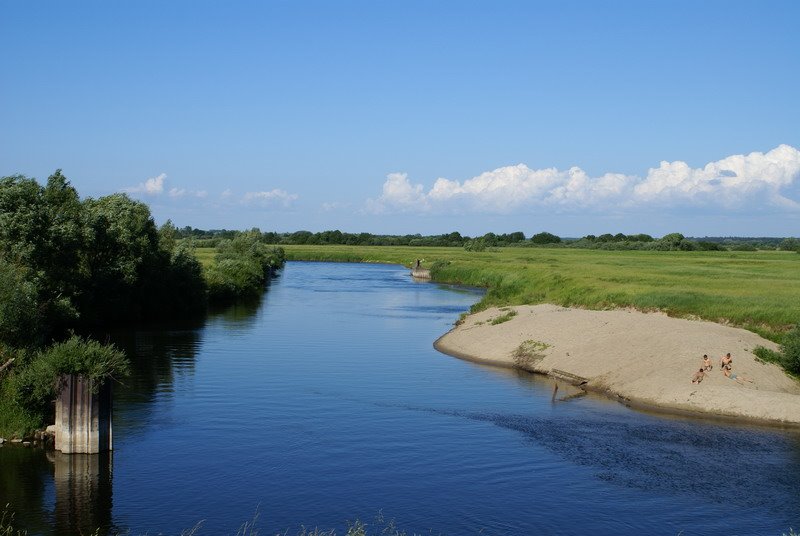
[644, 359]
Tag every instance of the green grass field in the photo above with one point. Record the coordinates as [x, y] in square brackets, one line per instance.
[759, 291]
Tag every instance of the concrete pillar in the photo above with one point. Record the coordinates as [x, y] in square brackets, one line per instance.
[83, 418]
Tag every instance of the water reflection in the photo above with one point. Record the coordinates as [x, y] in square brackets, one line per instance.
[54, 493]
[83, 492]
[238, 316]
[158, 360]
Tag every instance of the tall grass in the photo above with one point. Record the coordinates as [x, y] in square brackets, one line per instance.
[380, 526]
[759, 291]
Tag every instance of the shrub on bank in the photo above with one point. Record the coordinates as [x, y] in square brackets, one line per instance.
[28, 391]
[788, 355]
[242, 268]
[790, 350]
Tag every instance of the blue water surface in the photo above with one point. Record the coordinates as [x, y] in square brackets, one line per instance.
[326, 402]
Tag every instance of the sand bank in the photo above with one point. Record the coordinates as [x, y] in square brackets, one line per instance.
[645, 359]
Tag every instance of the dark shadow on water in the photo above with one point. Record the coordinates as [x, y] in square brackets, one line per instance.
[23, 476]
[711, 460]
[243, 314]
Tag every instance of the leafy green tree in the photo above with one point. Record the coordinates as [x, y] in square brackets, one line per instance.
[545, 238]
[124, 258]
[790, 244]
[41, 229]
[20, 318]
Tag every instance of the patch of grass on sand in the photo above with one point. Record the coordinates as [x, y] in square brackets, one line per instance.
[503, 318]
[529, 353]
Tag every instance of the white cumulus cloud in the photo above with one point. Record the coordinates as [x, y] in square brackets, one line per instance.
[155, 186]
[732, 181]
[152, 186]
[273, 196]
[728, 181]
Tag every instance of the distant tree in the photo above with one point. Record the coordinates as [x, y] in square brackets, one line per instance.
[640, 238]
[790, 244]
[606, 237]
[545, 238]
[490, 239]
[167, 236]
[476, 244]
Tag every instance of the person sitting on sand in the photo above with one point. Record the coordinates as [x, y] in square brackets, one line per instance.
[726, 362]
[707, 365]
[698, 376]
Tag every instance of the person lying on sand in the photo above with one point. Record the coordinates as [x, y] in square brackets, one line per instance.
[698, 376]
[707, 365]
[737, 377]
[726, 362]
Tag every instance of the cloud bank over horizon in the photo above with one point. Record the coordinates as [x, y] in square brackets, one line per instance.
[736, 181]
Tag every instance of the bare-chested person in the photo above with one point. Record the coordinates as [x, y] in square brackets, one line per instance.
[698, 376]
[707, 365]
[726, 363]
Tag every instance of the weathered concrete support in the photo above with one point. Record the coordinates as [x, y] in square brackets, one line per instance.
[83, 418]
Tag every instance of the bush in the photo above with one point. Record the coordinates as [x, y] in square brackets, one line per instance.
[790, 244]
[545, 238]
[33, 385]
[242, 268]
[477, 244]
[788, 355]
[790, 350]
[768, 356]
[709, 246]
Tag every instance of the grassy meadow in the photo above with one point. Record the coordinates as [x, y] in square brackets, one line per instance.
[759, 291]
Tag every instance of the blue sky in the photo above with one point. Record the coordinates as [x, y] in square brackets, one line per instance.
[406, 117]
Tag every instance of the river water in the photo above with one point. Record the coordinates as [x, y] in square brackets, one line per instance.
[326, 402]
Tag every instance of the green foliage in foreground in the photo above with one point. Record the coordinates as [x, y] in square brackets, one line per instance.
[380, 526]
[759, 291]
[28, 390]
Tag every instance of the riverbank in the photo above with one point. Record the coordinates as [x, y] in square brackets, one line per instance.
[642, 359]
[757, 291]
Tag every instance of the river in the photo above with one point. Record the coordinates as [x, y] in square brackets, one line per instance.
[326, 402]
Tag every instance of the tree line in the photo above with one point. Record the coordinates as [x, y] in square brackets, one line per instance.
[619, 241]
